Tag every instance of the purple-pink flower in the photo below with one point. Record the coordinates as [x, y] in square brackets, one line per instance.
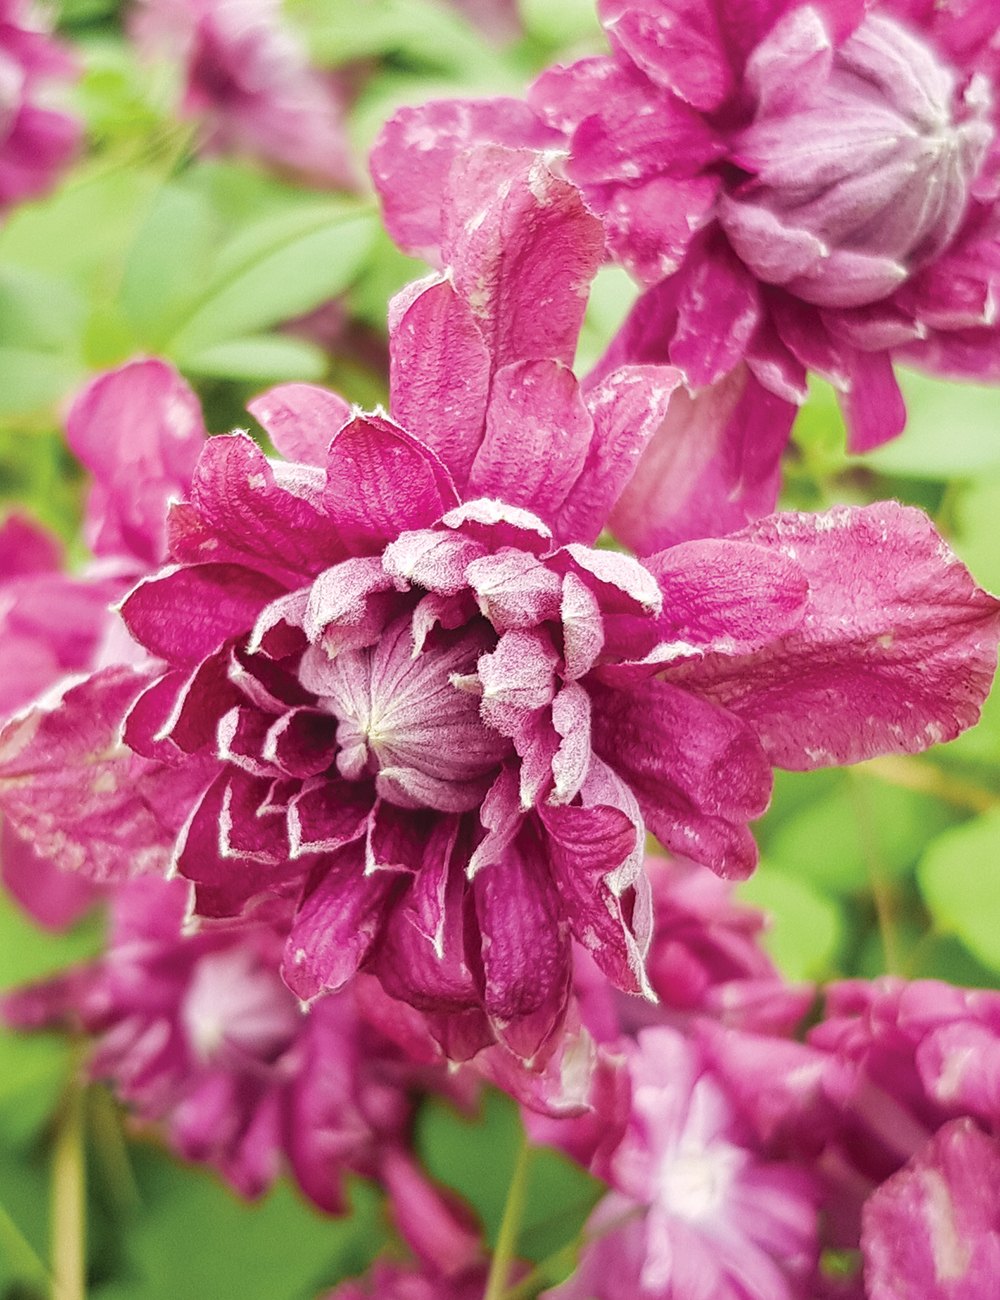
[200, 1033]
[404, 691]
[36, 142]
[933, 1229]
[138, 430]
[798, 187]
[248, 76]
[696, 1209]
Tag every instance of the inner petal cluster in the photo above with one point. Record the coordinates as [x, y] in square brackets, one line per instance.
[407, 716]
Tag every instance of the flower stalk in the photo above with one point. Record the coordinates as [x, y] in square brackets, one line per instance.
[510, 1226]
[68, 1204]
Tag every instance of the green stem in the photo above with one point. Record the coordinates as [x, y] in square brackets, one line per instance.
[883, 894]
[110, 1149]
[510, 1226]
[68, 1200]
[21, 1256]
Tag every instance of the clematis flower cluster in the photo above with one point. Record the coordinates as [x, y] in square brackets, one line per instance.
[798, 187]
[363, 741]
[391, 680]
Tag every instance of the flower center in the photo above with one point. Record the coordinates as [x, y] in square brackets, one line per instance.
[233, 999]
[860, 159]
[406, 719]
[694, 1182]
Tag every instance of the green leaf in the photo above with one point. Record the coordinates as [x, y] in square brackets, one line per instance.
[33, 1072]
[280, 268]
[195, 1238]
[33, 381]
[951, 430]
[428, 35]
[806, 927]
[168, 263]
[268, 358]
[83, 232]
[959, 878]
[29, 953]
[475, 1156]
[612, 294]
[825, 842]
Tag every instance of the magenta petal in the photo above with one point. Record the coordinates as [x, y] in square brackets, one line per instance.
[230, 851]
[586, 846]
[685, 54]
[873, 405]
[327, 814]
[537, 438]
[410, 176]
[627, 407]
[896, 651]
[336, 924]
[718, 310]
[27, 549]
[698, 772]
[713, 465]
[933, 1229]
[301, 420]
[139, 430]
[186, 613]
[266, 514]
[439, 372]
[56, 899]
[71, 789]
[727, 595]
[649, 227]
[522, 249]
[381, 482]
[525, 947]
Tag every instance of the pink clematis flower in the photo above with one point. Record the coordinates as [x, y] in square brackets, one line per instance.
[799, 186]
[138, 430]
[696, 1209]
[249, 76]
[405, 691]
[200, 1033]
[36, 143]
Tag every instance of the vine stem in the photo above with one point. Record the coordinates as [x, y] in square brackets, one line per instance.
[883, 894]
[510, 1226]
[68, 1200]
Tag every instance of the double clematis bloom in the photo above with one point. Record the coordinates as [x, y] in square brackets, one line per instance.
[797, 186]
[403, 690]
[248, 75]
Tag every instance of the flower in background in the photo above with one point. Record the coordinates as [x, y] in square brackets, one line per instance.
[400, 687]
[198, 1032]
[248, 75]
[798, 187]
[696, 1209]
[36, 143]
[138, 430]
